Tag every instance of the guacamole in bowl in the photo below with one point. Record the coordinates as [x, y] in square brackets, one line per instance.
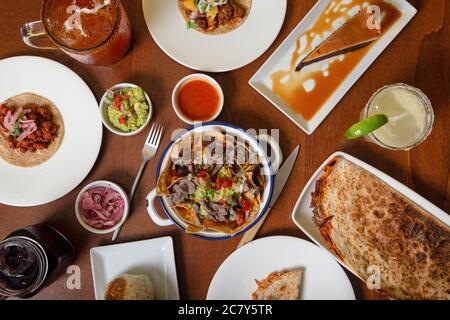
[127, 109]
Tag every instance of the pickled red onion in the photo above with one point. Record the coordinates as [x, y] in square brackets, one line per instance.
[26, 126]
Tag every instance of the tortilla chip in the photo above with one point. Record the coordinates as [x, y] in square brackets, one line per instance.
[165, 182]
[32, 159]
[187, 215]
[194, 229]
[219, 226]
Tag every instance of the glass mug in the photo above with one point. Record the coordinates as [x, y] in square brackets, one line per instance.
[95, 32]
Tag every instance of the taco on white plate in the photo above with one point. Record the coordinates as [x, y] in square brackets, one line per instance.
[214, 17]
[31, 130]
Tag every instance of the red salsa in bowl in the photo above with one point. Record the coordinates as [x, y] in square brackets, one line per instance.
[197, 98]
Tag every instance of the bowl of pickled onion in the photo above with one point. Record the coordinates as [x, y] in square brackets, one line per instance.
[102, 207]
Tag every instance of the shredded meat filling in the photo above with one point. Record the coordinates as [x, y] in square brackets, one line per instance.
[227, 12]
[40, 139]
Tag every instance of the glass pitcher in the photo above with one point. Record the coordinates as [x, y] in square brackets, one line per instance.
[95, 32]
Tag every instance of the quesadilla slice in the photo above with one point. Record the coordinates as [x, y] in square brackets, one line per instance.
[385, 238]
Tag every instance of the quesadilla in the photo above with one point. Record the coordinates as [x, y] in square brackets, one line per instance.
[31, 130]
[280, 286]
[385, 238]
[214, 17]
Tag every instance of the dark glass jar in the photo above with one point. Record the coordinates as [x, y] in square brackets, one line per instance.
[31, 258]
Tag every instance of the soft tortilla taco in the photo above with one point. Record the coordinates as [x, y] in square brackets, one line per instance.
[214, 17]
[214, 193]
[31, 130]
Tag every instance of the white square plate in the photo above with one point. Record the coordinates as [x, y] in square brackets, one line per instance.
[154, 258]
[302, 214]
[281, 58]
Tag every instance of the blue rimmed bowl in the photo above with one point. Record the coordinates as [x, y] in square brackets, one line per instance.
[268, 167]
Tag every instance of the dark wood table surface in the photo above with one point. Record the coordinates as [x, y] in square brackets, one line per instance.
[419, 56]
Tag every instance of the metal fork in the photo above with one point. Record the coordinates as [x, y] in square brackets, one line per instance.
[148, 153]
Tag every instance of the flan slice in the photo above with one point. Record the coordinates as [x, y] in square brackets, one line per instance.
[354, 34]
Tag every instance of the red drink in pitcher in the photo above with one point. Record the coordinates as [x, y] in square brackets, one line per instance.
[95, 32]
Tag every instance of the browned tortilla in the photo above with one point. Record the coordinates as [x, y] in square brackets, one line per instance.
[228, 27]
[372, 227]
[32, 159]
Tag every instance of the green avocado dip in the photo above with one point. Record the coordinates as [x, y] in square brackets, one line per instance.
[127, 109]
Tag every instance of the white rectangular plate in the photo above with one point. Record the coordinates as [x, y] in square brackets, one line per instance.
[153, 258]
[281, 58]
[303, 214]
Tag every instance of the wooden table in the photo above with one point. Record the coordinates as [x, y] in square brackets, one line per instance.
[418, 56]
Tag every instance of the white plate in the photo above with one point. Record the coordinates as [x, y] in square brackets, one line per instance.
[302, 214]
[153, 258]
[280, 60]
[214, 53]
[82, 137]
[324, 279]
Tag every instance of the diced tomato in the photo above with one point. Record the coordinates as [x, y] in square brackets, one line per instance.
[240, 218]
[223, 183]
[245, 205]
[202, 173]
[227, 183]
[117, 102]
[219, 184]
[123, 120]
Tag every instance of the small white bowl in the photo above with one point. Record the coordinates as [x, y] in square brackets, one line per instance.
[180, 85]
[103, 111]
[102, 183]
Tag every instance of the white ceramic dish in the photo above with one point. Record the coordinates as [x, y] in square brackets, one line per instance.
[280, 60]
[82, 131]
[214, 53]
[103, 111]
[302, 213]
[188, 78]
[268, 167]
[153, 258]
[108, 184]
[323, 279]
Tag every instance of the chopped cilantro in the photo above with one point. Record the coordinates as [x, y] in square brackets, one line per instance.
[192, 25]
[16, 132]
[211, 193]
[203, 7]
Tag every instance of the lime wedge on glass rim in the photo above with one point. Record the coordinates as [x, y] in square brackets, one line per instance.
[366, 126]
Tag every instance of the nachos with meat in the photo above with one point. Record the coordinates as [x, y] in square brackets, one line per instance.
[214, 16]
[213, 182]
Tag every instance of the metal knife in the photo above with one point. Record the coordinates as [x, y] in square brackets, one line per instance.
[280, 181]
